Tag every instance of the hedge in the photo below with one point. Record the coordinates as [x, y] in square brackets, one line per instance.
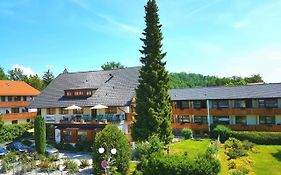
[164, 164]
[262, 138]
[10, 132]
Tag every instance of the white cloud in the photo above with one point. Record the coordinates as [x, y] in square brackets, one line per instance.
[120, 25]
[26, 70]
[264, 61]
[50, 66]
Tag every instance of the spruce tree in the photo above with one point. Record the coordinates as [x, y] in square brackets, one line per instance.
[154, 111]
[48, 77]
[40, 134]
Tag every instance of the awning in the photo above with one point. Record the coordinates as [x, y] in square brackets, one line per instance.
[99, 106]
[72, 107]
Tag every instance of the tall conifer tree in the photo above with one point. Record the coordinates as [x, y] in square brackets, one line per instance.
[154, 111]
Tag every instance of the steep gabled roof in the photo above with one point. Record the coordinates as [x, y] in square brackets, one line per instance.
[114, 88]
[272, 90]
[16, 88]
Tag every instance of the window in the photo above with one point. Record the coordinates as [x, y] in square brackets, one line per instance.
[24, 110]
[17, 98]
[67, 135]
[183, 119]
[63, 111]
[267, 120]
[24, 98]
[51, 111]
[68, 93]
[221, 104]
[3, 98]
[199, 104]
[14, 122]
[10, 98]
[268, 103]
[184, 104]
[111, 110]
[28, 120]
[241, 120]
[77, 111]
[239, 104]
[7, 111]
[82, 135]
[200, 119]
[196, 104]
[89, 93]
[221, 119]
[15, 110]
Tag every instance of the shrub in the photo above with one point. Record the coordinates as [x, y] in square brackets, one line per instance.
[84, 146]
[262, 138]
[163, 164]
[187, 133]
[53, 157]
[240, 166]
[222, 132]
[10, 132]
[70, 166]
[65, 146]
[111, 137]
[248, 145]
[40, 134]
[234, 148]
[84, 163]
[10, 157]
[146, 149]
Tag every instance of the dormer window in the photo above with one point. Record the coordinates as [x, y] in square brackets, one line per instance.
[79, 92]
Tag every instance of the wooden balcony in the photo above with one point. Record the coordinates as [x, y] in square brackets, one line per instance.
[264, 128]
[16, 116]
[193, 126]
[201, 111]
[246, 111]
[14, 104]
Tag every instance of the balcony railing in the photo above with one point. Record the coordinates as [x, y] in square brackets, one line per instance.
[229, 111]
[14, 104]
[82, 118]
[193, 126]
[16, 116]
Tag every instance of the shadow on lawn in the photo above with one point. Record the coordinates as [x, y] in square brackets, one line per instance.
[277, 155]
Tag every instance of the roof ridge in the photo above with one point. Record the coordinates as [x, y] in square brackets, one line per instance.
[104, 70]
[230, 86]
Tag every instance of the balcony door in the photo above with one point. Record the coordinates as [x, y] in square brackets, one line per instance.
[94, 112]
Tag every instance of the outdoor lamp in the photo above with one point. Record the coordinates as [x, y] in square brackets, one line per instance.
[113, 151]
[101, 150]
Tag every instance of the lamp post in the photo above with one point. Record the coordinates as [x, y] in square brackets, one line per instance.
[105, 163]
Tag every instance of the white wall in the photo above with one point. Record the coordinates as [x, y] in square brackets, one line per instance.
[19, 121]
[252, 119]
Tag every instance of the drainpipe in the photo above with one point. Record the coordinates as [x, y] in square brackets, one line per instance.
[208, 115]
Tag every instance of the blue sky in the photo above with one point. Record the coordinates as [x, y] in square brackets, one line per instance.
[211, 37]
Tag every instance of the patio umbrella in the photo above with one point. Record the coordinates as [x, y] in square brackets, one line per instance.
[72, 107]
[99, 106]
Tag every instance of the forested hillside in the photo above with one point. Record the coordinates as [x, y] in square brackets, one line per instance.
[183, 80]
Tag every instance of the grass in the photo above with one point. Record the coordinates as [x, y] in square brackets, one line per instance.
[192, 147]
[132, 168]
[267, 160]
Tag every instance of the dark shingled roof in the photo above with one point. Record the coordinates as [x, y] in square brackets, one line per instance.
[228, 92]
[114, 88]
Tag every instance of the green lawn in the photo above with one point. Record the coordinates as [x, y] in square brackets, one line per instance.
[267, 160]
[192, 147]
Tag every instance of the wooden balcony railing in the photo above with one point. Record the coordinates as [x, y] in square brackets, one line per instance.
[14, 104]
[193, 126]
[265, 128]
[201, 111]
[229, 111]
[246, 111]
[16, 116]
